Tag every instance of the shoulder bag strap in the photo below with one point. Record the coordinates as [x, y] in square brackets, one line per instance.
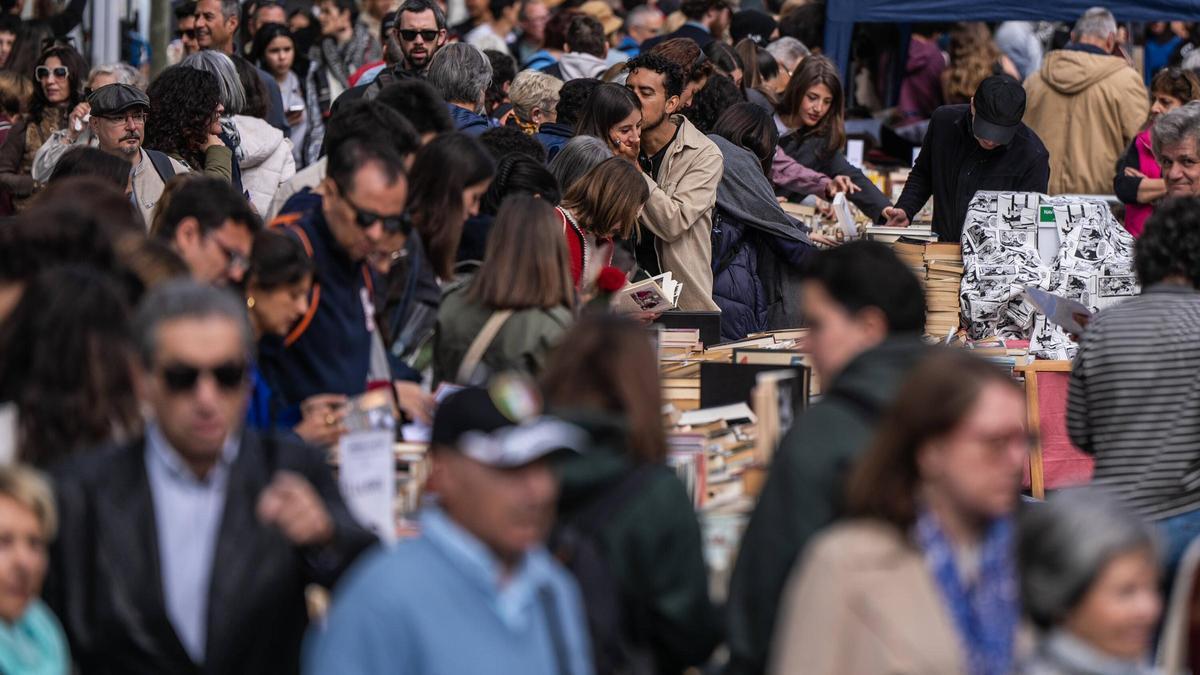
[481, 343]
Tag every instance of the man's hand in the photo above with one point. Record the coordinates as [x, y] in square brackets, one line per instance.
[822, 240]
[1133, 173]
[896, 217]
[321, 419]
[291, 504]
[76, 121]
[415, 402]
[841, 184]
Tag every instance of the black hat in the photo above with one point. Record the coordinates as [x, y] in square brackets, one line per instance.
[112, 99]
[499, 426]
[999, 107]
[753, 24]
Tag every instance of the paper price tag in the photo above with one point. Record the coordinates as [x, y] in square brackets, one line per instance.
[367, 480]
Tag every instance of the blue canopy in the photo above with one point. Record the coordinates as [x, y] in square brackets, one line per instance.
[841, 15]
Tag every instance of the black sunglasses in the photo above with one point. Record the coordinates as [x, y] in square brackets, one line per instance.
[180, 377]
[44, 72]
[189, 33]
[410, 35]
[365, 219]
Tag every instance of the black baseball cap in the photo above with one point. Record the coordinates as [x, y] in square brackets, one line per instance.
[113, 99]
[500, 426]
[999, 107]
[753, 24]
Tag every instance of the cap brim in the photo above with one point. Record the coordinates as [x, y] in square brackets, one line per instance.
[993, 132]
[516, 446]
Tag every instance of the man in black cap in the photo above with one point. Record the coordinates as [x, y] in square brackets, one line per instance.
[980, 146]
[118, 123]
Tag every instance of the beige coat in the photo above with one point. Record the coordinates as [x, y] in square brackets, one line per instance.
[862, 602]
[1086, 108]
[680, 210]
[148, 186]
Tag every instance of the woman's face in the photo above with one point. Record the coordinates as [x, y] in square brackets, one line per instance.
[278, 309]
[628, 132]
[56, 88]
[214, 127]
[22, 558]
[472, 196]
[1118, 614]
[1163, 103]
[815, 105]
[279, 55]
[689, 92]
[976, 468]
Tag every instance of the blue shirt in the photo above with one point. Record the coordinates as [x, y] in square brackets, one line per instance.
[440, 605]
[187, 520]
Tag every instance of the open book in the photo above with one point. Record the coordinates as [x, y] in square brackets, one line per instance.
[657, 294]
[1070, 314]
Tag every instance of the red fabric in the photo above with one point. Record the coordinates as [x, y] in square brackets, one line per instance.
[362, 71]
[1136, 215]
[574, 248]
[1063, 465]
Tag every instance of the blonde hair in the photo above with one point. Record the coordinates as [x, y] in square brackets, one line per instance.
[15, 93]
[28, 488]
[531, 89]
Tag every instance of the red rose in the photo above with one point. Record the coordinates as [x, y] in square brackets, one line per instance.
[610, 280]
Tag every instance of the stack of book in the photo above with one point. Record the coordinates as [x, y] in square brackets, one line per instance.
[943, 279]
[912, 254]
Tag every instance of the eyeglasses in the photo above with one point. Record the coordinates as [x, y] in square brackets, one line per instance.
[411, 35]
[237, 261]
[190, 33]
[135, 117]
[366, 219]
[181, 377]
[44, 72]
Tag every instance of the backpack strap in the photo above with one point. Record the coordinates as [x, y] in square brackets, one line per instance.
[481, 342]
[291, 223]
[162, 164]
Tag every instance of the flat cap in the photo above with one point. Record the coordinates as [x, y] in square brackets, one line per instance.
[112, 99]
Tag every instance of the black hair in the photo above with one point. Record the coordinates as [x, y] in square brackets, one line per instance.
[10, 24]
[1170, 244]
[723, 57]
[277, 260]
[185, 10]
[445, 167]
[585, 35]
[504, 71]
[266, 33]
[371, 120]
[572, 99]
[77, 72]
[345, 160]
[30, 245]
[420, 103]
[864, 274]
[696, 9]
[86, 161]
[183, 102]
[420, 7]
[519, 174]
[806, 23]
[768, 67]
[257, 96]
[211, 201]
[66, 353]
[671, 72]
[504, 141]
[717, 95]
[347, 5]
[497, 7]
[752, 127]
[606, 107]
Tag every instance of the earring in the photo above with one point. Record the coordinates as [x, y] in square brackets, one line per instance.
[250, 302]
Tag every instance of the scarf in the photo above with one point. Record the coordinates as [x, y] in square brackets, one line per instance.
[34, 645]
[986, 613]
[341, 62]
[233, 139]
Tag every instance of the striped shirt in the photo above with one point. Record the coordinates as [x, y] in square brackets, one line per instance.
[1134, 400]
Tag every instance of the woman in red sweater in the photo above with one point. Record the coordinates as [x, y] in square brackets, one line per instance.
[600, 207]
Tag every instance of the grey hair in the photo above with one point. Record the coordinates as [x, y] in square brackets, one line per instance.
[532, 89]
[1097, 22]
[122, 73]
[461, 73]
[231, 8]
[579, 156]
[788, 51]
[187, 299]
[233, 96]
[1175, 127]
[1065, 544]
[639, 15]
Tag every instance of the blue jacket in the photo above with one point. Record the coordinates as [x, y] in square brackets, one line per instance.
[554, 136]
[329, 351]
[467, 121]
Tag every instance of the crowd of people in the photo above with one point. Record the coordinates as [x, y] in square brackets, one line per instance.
[201, 270]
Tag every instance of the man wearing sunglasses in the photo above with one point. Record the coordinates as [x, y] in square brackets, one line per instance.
[342, 222]
[211, 226]
[420, 30]
[189, 550]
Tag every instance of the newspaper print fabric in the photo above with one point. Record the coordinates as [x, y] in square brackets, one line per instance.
[1094, 265]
